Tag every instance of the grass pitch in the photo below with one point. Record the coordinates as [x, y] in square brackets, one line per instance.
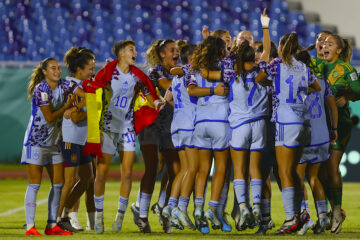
[12, 197]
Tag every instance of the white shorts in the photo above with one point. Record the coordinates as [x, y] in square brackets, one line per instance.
[153, 135]
[41, 156]
[315, 154]
[292, 135]
[212, 135]
[249, 136]
[182, 139]
[116, 142]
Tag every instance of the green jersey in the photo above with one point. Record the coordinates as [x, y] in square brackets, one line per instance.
[317, 66]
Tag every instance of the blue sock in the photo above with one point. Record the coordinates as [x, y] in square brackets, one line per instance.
[223, 199]
[162, 198]
[173, 202]
[145, 199]
[99, 203]
[299, 197]
[265, 207]
[288, 195]
[239, 186]
[123, 203]
[303, 207]
[183, 204]
[307, 206]
[213, 205]
[53, 204]
[321, 206]
[199, 203]
[137, 203]
[30, 203]
[256, 185]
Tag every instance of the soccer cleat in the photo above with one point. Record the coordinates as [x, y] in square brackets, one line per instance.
[212, 217]
[56, 231]
[257, 213]
[308, 225]
[303, 219]
[336, 224]
[251, 221]
[75, 222]
[321, 224]
[183, 218]
[117, 224]
[166, 216]
[200, 221]
[235, 214]
[32, 232]
[289, 226]
[99, 223]
[136, 213]
[244, 219]
[144, 226]
[225, 225]
[156, 209]
[65, 224]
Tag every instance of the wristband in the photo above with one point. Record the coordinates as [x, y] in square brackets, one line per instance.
[222, 74]
[211, 91]
[333, 129]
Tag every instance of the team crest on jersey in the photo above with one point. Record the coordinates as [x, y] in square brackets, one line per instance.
[353, 76]
[44, 96]
[336, 73]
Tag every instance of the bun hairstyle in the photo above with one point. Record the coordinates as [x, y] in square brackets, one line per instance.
[208, 54]
[153, 52]
[345, 46]
[121, 45]
[37, 75]
[77, 57]
[180, 44]
[186, 51]
[290, 47]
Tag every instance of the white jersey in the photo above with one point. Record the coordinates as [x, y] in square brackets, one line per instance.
[210, 108]
[184, 106]
[39, 132]
[316, 108]
[247, 100]
[75, 132]
[118, 112]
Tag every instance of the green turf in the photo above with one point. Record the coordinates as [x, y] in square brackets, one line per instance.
[12, 196]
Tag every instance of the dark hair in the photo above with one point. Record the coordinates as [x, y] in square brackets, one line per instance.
[290, 47]
[77, 57]
[244, 53]
[187, 51]
[153, 52]
[121, 45]
[208, 54]
[273, 50]
[345, 46]
[218, 33]
[313, 46]
[37, 75]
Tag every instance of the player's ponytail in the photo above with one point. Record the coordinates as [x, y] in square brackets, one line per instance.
[208, 54]
[290, 48]
[153, 53]
[77, 57]
[37, 75]
[244, 53]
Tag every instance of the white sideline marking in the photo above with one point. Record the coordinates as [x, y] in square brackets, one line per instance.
[11, 211]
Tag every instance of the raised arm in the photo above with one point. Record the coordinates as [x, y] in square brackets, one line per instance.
[265, 56]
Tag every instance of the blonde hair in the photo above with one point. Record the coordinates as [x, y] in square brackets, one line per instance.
[153, 52]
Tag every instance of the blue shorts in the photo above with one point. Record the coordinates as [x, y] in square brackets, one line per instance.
[292, 135]
[249, 136]
[315, 154]
[116, 142]
[182, 139]
[212, 135]
[41, 156]
[73, 154]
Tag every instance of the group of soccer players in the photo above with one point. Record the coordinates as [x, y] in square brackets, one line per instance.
[250, 105]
